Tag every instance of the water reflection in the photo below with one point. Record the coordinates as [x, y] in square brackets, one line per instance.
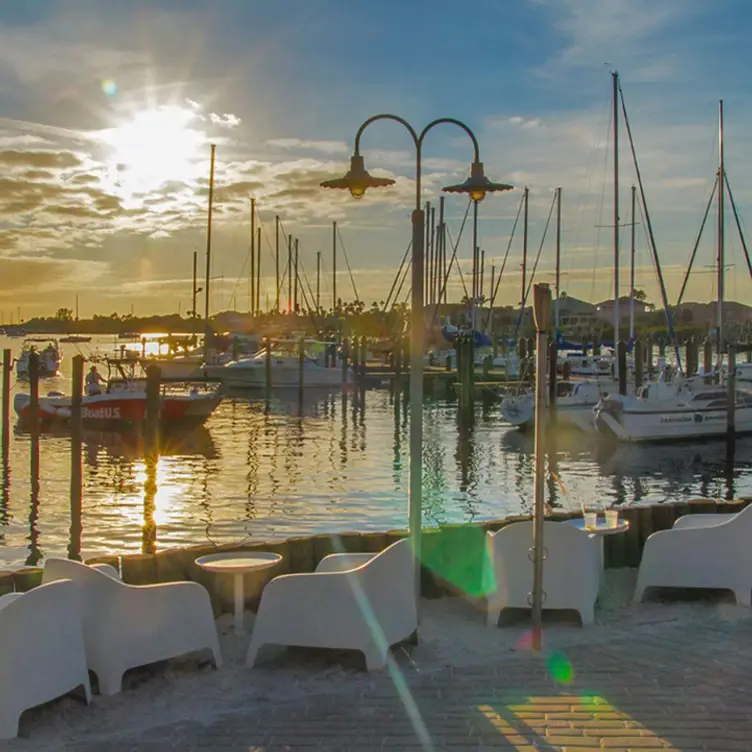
[337, 461]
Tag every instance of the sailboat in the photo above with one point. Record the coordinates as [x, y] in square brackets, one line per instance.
[684, 408]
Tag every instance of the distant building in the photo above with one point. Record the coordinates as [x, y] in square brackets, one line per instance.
[605, 310]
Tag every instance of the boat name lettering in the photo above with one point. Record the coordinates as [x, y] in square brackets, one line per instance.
[106, 413]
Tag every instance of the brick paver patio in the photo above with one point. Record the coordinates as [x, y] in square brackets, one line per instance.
[673, 687]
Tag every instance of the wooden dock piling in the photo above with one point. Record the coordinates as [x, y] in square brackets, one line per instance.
[76, 480]
[7, 368]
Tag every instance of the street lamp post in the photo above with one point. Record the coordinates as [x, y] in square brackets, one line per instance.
[357, 180]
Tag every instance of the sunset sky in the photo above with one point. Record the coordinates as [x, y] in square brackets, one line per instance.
[107, 111]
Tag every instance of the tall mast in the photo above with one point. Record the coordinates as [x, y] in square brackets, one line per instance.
[258, 269]
[617, 319]
[276, 262]
[297, 280]
[632, 268]
[318, 281]
[557, 281]
[252, 287]
[194, 291]
[440, 243]
[334, 266]
[721, 239]
[524, 250]
[208, 252]
[289, 273]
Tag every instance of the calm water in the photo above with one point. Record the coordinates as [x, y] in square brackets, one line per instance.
[259, 471]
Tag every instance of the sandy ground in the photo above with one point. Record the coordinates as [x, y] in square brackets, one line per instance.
[452, 633]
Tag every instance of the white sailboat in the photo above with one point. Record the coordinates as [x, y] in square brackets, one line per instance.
[687, 407]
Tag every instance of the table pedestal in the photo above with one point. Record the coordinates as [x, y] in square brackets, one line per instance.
[239, 604]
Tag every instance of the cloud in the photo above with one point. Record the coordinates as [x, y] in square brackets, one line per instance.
[44, 274]
[325, 147]
[40, 159]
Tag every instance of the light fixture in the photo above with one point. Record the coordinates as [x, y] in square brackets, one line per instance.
[357, 179]
[477, 185]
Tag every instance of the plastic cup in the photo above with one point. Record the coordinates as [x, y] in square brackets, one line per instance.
[612, 518]
[591, 520]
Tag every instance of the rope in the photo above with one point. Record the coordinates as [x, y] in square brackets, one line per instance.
[697, 243]
[347, 262]
[535, 267]
[504, 263]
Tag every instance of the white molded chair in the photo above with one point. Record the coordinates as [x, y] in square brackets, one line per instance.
[41, 650]
[701, 551]
[359, 602]
[571, 569]
[127, 626]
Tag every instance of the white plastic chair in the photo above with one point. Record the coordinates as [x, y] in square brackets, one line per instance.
[127, 626]
[700, 551]
[368, 606]
[41, 650]
[571, 569]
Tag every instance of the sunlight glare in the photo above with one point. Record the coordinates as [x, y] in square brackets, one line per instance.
[156, 146]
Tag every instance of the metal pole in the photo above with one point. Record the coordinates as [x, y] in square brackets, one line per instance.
[475, 258]
[617, 320]
[632, 269]
[334, 268]
[558, 260]
[195, 292]
[297, 278]
[289, 273]
[524, 251]
[440, 241]
[258, 269]
[7, 368]
[318, 281]
[721, 238]
[252, 290]
[417, 324]
[541, 309]
[208, 254]
[276, 263]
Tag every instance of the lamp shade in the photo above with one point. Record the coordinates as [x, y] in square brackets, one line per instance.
[477, 185]
[357, 179]
[541, 306]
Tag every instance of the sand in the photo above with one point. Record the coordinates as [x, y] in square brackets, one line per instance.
[453, 633]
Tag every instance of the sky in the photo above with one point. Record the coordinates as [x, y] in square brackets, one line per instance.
[107, 111]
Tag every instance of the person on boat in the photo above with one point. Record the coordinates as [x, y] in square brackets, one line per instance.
[93, 380]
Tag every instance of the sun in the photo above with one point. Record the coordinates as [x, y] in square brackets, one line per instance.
[156, 146]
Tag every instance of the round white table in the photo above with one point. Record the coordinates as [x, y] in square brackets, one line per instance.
[601, 527]
[238, 563]
[600, 530]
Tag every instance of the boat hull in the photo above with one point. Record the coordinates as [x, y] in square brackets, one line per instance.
[122, 410]
[282, 377]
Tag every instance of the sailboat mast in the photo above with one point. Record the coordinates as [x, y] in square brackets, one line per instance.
[258, 269]
[334, 266]
[557, 280]
[194, 292]
[208, 253]
[721, 239]
[632, 268]
[524, 250]
[318, 281]
[289, 273]
[252, 278]
[276, 262]
[617, 320]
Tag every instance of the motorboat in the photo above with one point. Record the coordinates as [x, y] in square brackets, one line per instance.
[50, 358]
[685, 408]
[284, 364]
[75, 338]
[122, 405]
[575, 401]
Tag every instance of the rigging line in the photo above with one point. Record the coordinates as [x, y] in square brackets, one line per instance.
[312, 315]
[397, 276]
[649, 224]
[535, 267]
[459, 266]
[453, 258]
[697, 243]
[404, 277]
[738, 220]
[504, 263]
[347, 261]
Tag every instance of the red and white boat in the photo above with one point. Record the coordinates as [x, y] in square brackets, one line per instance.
[123, 405]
